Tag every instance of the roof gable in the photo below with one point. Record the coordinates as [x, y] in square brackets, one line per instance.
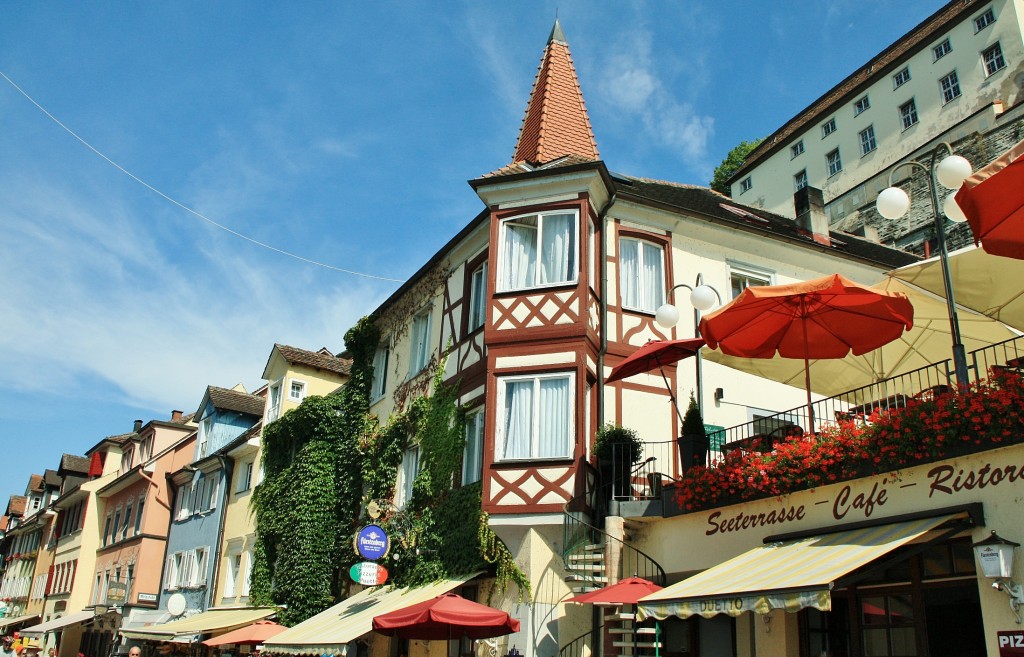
[321, 360]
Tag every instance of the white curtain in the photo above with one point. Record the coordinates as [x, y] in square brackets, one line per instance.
[518, 419]
[520, 256]
[472, 462]
[558, 249]
[652, 281]
[554, 418]
[629, 273]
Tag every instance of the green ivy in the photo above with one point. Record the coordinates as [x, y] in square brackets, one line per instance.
[326, 460]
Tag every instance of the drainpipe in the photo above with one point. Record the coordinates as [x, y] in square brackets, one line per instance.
[145, 475]
[226, 467]
[602, 218]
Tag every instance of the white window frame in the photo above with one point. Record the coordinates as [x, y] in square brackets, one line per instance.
[502, 421]
[800, 180]
[477, 297]
[949, 87]
[746, 184]
[274, 395]
[245, 472]
[201, 558]
[993, 55]
[504, 285]
[828, 127]
[232, 571]
[407, 471]
[901, 77]
[473, 455]
[646, 300]
[861, 105]
[867, 140]
[419, 356]
[184, 501]
[205, 429]
[908, 112]
[296, 384]
[834, 165]
[941, 49]
[381, 363]
[747, 274]
[796, 150]
[984, 19]
[247, 580]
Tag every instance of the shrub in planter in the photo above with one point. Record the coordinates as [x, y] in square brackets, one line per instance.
[617, 449]
[693, 441]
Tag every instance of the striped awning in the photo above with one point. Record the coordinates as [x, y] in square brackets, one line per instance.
[788, 575]
[214, 620]
[330, 631]
[60, 623]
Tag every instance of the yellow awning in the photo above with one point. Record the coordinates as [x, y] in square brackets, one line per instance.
[330, 631]
[213, 620]
[788, 575]
[7, 622]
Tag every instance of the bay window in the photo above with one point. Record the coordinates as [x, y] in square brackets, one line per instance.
[641, 274]
[535, 416]
[538, 250]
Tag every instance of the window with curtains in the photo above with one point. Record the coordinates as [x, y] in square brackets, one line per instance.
[477, 297]
[420, 356]
[410, 467]
[641, 274]
[535, 417]
[538, 250]
[472, 458]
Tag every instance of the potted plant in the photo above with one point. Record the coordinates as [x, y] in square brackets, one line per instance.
[617, 449]
[693, 443]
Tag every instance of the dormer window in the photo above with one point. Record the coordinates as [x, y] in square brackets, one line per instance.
[538, 250]
[205, 431]
[274, 401]
[297, 390]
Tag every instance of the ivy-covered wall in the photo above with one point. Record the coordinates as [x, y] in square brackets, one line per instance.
[327, 459]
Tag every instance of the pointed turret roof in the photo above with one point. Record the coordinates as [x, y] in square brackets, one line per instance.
[556, 122]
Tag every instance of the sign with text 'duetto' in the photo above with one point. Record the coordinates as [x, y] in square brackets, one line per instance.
[368, 573]
[372, 543]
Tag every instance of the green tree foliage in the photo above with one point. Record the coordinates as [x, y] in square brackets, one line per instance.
[326, 460]
[731, 163]
[693, 423]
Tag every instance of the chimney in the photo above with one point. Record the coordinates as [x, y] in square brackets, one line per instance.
[175, 416]
[810, 214]
[998, 107]
[138, 426]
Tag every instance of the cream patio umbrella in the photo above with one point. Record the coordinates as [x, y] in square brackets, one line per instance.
[982, 282]
[927, 342]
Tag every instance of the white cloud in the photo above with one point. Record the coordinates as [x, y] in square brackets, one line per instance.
[89, 294]
[629, 82]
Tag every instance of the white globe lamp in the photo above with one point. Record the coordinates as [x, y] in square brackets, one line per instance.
[952, 209]
[952, 171]
[703, 298]
[666, 315]
[892, 203]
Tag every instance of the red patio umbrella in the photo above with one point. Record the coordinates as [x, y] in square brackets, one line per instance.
[993, 201]
[654, 356]
[250, 635]
[826, 317]
[447, 616]
[624, 592]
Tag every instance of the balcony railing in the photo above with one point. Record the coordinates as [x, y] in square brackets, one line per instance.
[660, 463]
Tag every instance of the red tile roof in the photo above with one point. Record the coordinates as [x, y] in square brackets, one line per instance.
[556, 122]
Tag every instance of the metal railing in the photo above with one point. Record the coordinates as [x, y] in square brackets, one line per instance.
[661, 460]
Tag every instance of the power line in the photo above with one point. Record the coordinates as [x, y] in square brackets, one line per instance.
[182, 205]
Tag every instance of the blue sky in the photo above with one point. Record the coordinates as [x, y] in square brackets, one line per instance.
[341, 132]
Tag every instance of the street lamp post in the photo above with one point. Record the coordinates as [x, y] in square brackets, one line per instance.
[702, 298]
[893, 203]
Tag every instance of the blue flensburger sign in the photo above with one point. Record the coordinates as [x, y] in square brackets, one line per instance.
[372, 543]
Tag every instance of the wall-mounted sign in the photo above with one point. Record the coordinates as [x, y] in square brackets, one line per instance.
[148, 597]
[368, 573]
[1011, 644]
[116, 593]
[372, 543]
